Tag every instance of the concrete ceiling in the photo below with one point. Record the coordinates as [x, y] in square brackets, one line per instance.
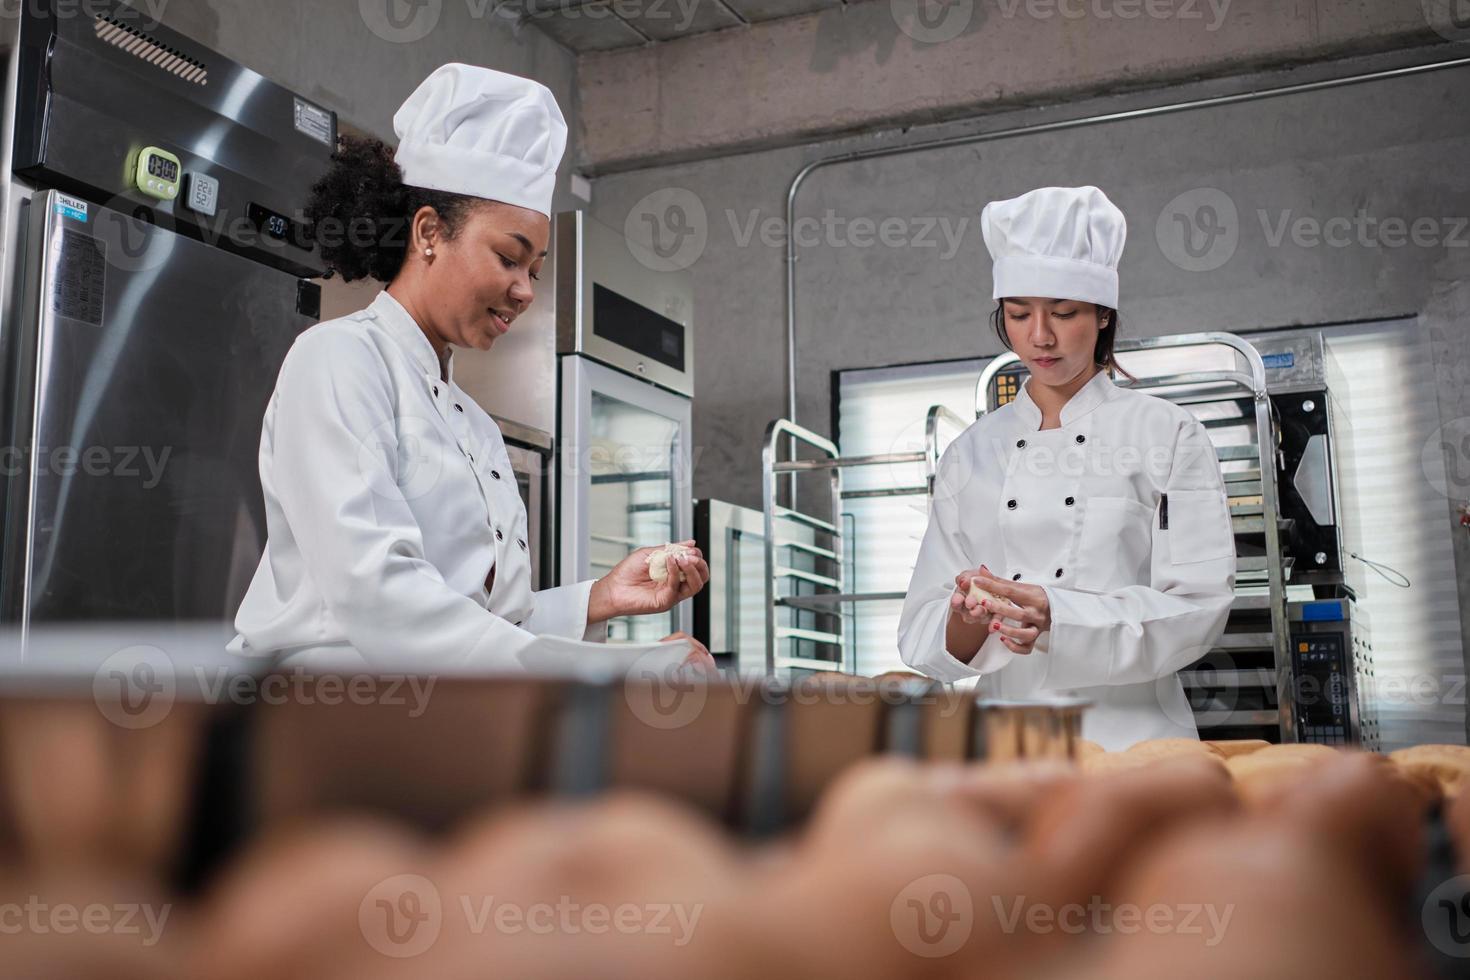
[604, 25]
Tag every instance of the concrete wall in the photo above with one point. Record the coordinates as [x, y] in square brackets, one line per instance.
[862, 65]
[1387, 148]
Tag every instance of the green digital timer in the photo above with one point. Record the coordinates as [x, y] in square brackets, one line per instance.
[158, 173]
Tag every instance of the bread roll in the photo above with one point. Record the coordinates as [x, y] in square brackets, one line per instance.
[887, 835]
[291, 905]
[1229, 748]
[658, 561]
[1301, 749]
[1087, 831]
[1360, 802]
[1260, 776]
[900, 676]
[50, 930]
[1159, 748]
[1457, 819]
[1433, 748]
[557, 865]
[1448, 766]
[1261, 873]
[1106, 763]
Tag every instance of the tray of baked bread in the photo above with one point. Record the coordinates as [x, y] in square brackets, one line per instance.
[561, 829]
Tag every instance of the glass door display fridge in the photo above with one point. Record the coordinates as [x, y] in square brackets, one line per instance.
[626, 379]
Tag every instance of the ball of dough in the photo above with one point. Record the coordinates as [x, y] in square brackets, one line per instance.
[658, 561]
[979, 594]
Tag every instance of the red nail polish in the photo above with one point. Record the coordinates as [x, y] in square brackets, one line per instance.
[994, 627]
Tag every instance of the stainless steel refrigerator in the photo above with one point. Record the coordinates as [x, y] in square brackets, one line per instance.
[156, 270]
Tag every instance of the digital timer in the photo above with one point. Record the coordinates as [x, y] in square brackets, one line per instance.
[157, 173]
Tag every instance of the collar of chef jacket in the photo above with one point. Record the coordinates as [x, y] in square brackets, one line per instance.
[1089, 396]
[410, 336]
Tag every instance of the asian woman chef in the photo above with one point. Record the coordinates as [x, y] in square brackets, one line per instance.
[1093, 516]
[395, 529]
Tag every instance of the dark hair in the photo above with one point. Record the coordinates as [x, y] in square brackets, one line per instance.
[360, 211]
[1102, 353]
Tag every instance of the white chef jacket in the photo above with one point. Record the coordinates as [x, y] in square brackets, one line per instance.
[389, 497]
[1121, 516]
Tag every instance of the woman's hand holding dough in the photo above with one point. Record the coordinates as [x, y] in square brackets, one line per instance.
[1021, 613]
[630, 589]
[967, 602]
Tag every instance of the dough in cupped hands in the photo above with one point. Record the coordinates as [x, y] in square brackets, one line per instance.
[979, 594]
[658, 561]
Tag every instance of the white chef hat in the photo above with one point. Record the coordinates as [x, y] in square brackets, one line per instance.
[476, 131]
[1057, 242]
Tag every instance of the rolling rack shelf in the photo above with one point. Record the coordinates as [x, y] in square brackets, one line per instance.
[1259, 627]
[831, 597]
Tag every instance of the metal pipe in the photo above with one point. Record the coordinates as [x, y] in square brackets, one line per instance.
[1028, 130]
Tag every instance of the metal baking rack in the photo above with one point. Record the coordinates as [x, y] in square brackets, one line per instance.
[817, 602]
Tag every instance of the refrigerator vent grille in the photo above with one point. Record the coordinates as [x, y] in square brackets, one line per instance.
[149, 49]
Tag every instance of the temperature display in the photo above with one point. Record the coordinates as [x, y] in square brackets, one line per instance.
[275, 225]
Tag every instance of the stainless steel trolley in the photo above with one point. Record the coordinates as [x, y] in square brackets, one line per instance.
[830, 596]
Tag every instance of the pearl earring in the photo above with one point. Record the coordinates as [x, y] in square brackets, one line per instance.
[429, 252]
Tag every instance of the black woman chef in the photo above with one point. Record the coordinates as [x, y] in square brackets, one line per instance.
[1093, 518]
[395, 528]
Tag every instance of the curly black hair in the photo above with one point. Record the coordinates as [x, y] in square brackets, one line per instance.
[360, 211]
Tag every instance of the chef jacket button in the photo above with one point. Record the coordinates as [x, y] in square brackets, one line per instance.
[498, 535]
[1071, 501]
[1021, 444]
[522, 543]
[459, 408]
[1081, 440]
[470, 455]
[1059, 573]
[1016, 577]
[436, 391]
[1011, 504]
[495, 474]
[518, 624]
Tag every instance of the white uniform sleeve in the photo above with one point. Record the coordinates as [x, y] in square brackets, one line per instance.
[1141, 633]
[335, 458]
[563, 612]
[921, 627]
